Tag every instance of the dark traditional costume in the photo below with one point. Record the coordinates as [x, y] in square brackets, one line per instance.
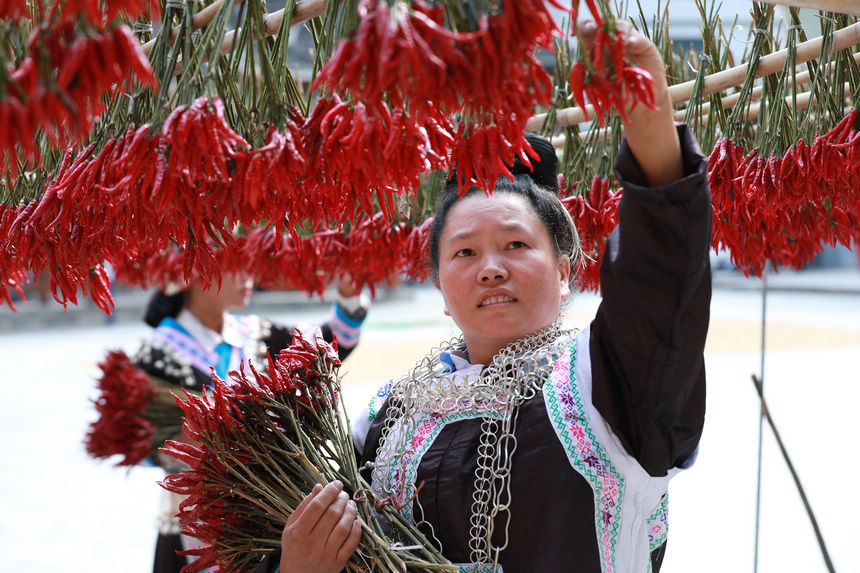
[557, 456]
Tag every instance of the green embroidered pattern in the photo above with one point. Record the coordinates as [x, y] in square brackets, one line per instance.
[658, 524]
[566, 410]
[377, 401]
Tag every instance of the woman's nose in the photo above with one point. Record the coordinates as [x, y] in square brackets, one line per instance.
[493, 270]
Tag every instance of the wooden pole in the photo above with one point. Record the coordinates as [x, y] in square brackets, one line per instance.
[304, 11]
[772, 63]
[730, 101]
[841, 6]
[200, 20]
[804, 100]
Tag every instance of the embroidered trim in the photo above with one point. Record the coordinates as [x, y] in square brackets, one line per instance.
[658, 524]
[567, 414]
[377, 401]
[186, 347]
[418, 440]
[478, 568]
[346, 328]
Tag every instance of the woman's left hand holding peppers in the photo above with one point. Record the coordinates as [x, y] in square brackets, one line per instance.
[651, 133]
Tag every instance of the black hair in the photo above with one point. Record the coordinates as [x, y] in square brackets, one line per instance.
[539, 185]
[161, 306]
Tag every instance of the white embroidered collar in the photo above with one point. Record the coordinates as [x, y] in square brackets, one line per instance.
[207, 338]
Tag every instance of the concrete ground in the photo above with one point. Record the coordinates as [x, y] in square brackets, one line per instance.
[62, 511]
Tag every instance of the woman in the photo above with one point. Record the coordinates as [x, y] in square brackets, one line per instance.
[524, 445]
[195, 334]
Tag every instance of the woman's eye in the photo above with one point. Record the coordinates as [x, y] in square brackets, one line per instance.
[516, 245]
[463, 253]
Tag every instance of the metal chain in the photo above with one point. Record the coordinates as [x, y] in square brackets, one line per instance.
[516, 375]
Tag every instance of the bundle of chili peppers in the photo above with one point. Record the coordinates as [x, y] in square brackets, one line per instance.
[59, 87]
[785, 209]
[189, 185]
[12, 277]
[595, 214]
[394, 148]
[108, 208]
[262, 440]
[489, 77]
[403, 51]
[136, 413]
[370, 253]
[604, 75]
[12, 10]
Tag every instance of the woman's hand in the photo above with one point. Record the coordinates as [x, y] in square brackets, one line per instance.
[345, 286]
[651, 134]
[322, 533]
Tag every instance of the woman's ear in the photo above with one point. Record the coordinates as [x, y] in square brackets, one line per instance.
[564, 272]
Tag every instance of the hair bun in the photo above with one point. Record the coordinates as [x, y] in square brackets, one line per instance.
[545, 169]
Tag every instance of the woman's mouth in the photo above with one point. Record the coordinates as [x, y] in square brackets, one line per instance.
[496, 300]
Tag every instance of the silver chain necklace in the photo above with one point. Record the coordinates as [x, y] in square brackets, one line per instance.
[494, 394]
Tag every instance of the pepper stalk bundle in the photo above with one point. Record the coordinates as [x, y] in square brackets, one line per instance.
[486, 74]
[59, 86]
[595, 214]
[187, 184]
[137, 413]
[262, 442]
[785, 209]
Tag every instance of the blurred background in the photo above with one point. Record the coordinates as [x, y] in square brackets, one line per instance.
[63, 511]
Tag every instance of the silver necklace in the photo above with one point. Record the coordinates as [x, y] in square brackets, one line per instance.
[515, 375]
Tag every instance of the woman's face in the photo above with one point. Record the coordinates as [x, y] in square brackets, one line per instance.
[498, 273]
[236, 289]
[235, 292]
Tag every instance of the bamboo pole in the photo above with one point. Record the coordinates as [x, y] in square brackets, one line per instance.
[840, 6]
[200, 20]
[772, 63]
[730, 101]
[804, 100]
[305, 10]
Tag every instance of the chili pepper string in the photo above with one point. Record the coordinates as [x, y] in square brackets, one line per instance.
[143, 191]
[87, 68]
[12, 277]
[14, 10]
[235, 462]
[406, 54]
[395, 149]
[784, 210]
[370, 253]
[595, 215]
[214, 420]
[131, 200]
